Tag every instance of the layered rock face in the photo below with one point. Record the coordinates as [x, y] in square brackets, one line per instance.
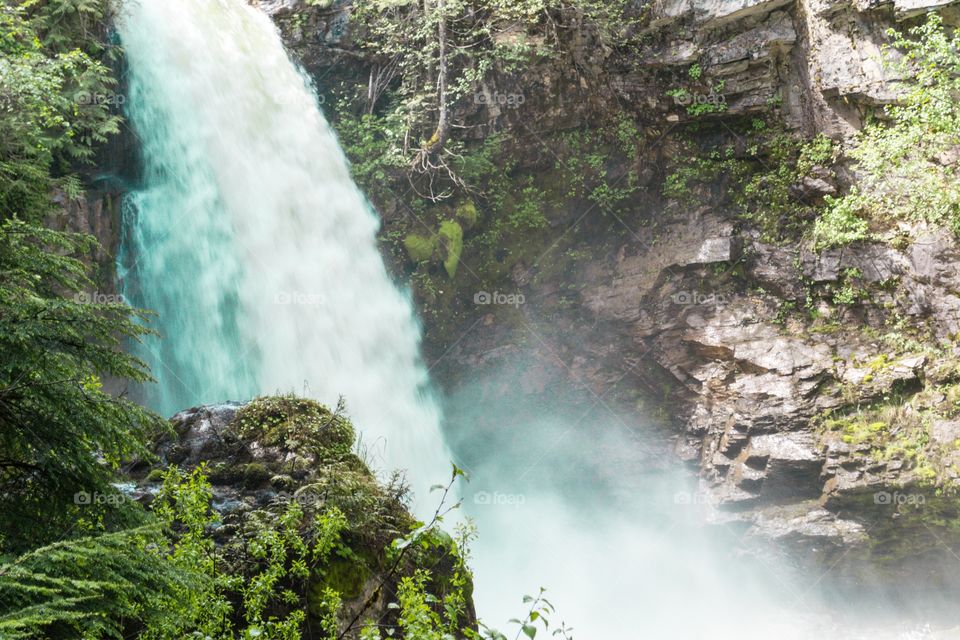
[820, 58]
[832, 431]
[97, 214]
[837, 435]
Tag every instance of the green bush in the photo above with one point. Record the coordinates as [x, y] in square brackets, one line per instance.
[840, 223]
[904, 177]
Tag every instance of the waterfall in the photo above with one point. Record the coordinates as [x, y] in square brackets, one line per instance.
[251, 242]
[248, 238]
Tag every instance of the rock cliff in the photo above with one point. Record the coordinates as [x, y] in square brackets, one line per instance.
[814, 392]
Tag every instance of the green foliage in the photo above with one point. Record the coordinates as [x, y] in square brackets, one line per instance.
[372, 144]
[60, 433]
[761, 183]
[818, 152]
[168, 579]
[92, 587]
[901, 159]
[538, 617]
[892, 432]
[259, 593]
[587, 156]
[706, 107]
[527, 213]
[417, 618]
[297, 423]
[466, 213]
[435, 58]
[766, 196]
[54, 100]
[840, 224]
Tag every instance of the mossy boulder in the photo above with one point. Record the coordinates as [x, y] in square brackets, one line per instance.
[348, 573]
[255, 474]
[296, 424]
[419, 248]
[274, 453]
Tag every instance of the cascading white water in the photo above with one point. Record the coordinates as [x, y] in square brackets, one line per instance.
[250, 240]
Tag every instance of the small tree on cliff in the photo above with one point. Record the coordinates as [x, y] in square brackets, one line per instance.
[431, 56]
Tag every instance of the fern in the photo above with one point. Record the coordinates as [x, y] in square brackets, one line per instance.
[91, 588]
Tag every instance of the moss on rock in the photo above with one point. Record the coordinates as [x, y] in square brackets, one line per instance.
[296, 424]
[466, 213]
[451, 237]
[347, 574]
[419, 248]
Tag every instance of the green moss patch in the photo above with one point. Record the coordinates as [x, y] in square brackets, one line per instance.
[419, 248]
[296, 424]
[451, 238]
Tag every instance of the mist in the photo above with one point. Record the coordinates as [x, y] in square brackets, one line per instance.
[589, 502]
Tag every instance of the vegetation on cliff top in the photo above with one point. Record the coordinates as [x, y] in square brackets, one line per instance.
[903, 161]
[907, 160]
[788, 187]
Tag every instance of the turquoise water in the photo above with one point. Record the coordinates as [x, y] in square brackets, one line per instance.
[250, 241]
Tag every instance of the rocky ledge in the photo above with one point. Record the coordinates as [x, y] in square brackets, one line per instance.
[261, 456]
[817, 394]
[818, 61]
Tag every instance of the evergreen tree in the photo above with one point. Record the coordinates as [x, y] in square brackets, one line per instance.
[60, 433]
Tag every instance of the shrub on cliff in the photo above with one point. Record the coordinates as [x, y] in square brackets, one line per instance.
[908, 161]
